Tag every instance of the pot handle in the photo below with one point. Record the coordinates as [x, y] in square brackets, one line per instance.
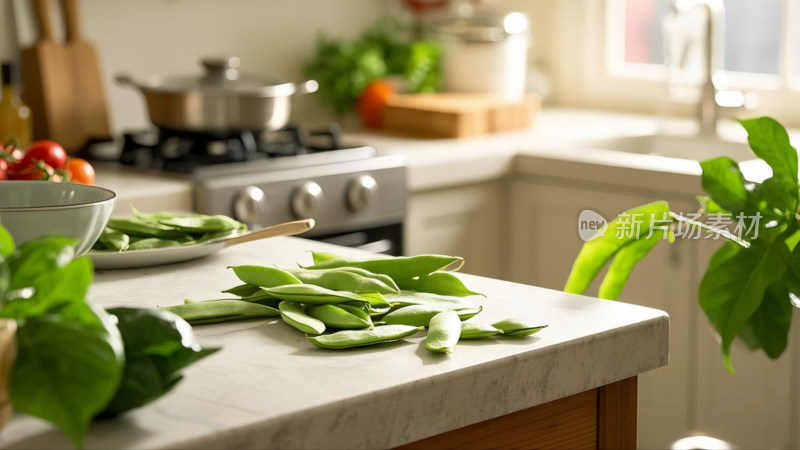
[306, 87]
[125, 79]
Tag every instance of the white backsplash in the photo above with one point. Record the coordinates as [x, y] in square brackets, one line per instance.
[271, 37]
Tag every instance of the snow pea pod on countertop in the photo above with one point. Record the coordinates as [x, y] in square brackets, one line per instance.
[360, 338]
[399, 268]
[293, 314]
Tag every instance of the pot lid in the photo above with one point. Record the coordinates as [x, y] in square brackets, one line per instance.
[222, 77]
[483, 24]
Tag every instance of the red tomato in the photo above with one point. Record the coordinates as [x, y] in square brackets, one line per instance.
[80, 171]
[3, 169]
[48, 152]
[41, 171]
[371, 102]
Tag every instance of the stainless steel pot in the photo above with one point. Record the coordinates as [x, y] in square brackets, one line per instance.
[220, 100]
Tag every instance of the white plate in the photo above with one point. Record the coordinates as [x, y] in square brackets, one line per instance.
[152, 257]
[130, 259]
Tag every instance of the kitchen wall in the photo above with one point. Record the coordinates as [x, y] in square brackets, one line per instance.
[272, 37]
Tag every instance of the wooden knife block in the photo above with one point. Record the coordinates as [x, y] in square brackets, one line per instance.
[455, 115]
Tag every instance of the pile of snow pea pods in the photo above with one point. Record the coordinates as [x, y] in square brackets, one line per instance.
[342, 303]
[155, 230]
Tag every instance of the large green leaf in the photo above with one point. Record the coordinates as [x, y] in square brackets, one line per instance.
[627, 228]
[158, 344]
[57, 284]
[770, 142]
[776, 199]
[768, 327]
[723, 180]
[734, 285]
[68, 367]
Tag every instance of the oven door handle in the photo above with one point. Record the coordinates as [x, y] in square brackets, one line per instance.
[379, 246]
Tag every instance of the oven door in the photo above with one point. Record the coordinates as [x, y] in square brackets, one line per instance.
[386, 239]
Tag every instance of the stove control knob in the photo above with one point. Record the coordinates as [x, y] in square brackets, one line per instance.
[361, 193]
[307, 200]
[247, 207]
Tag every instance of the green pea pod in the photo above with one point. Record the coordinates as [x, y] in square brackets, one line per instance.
[293, 314]
[475, 330]
[358, 311]
[342, 279]
[421, 315]
[153, 217]
[315, 295]
[115, 240]
[517, 327]
[243, 290]
[219, 234]
[406, 298]
[221, 309]
[399, 268]
[323, 256]
[201, 223]
[139, 227]
[442, 283]
[360, 338]
[264, 276]
[385, 279]
[338, 317]
[149, 243]
[375, 300]
[443, 332]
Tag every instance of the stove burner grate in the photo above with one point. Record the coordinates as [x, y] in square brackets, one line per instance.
[181, 151]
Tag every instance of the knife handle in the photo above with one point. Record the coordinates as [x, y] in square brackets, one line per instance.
[73, 30]
[43, 14]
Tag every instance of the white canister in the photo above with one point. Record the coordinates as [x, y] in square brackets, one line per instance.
[484, 51]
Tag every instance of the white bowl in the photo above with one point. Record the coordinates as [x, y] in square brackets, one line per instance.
[31, 209]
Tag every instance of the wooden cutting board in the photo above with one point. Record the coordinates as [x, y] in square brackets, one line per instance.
[63, 83]
[454, 115]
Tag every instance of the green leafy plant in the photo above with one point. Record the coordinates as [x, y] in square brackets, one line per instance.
[753, 280]
[344, 68]
[75, 360]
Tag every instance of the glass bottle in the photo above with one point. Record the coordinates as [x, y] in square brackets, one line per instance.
[15, 116]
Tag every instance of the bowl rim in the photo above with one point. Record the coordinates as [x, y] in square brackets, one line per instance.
[112, 196]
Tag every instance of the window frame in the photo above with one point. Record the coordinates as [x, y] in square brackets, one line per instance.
[605, 81]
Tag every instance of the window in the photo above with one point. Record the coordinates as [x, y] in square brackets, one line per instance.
[628, 60]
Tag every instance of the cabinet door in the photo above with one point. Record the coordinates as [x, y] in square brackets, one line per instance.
[751, 409]
[463, 221]
[545, 241]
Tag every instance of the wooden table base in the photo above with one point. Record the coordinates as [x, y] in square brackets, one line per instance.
[602, 418]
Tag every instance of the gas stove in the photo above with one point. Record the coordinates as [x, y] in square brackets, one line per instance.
[356, 197]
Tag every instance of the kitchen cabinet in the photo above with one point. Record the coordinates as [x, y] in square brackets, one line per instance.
[694, 393]
[544, 231]
[463, 221]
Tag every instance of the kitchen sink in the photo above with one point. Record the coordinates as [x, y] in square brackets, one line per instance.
[685, 147]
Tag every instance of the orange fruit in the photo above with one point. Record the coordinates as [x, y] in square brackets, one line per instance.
[371, 102]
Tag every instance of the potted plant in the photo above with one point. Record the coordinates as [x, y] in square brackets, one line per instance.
[753, 281]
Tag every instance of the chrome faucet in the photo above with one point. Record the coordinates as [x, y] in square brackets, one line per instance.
[714, 95]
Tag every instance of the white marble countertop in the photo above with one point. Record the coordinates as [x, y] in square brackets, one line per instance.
[557, 140]
[269, 388]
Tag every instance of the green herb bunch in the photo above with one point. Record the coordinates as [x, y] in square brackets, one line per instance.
[753, 280]
[76, 361]
[343, 68]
